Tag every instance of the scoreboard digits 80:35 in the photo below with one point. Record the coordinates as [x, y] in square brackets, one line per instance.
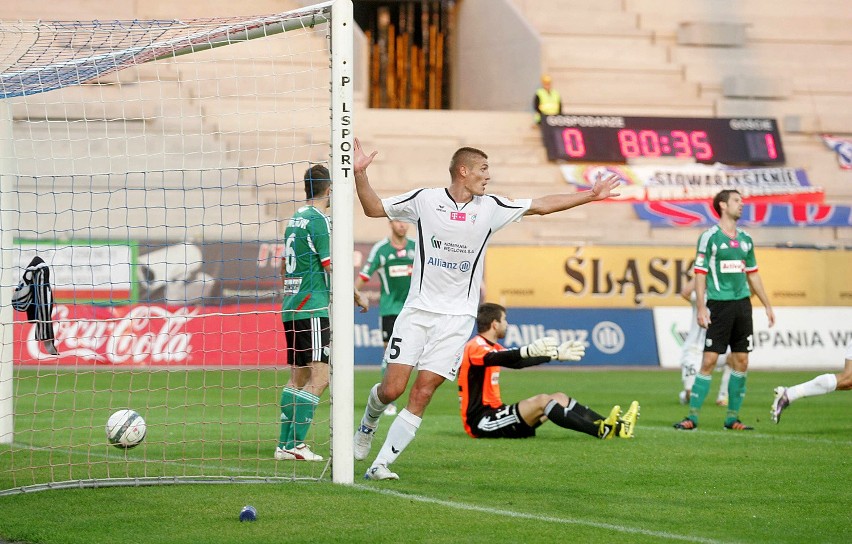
[597, 138]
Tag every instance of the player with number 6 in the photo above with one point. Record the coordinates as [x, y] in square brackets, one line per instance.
[305, 271]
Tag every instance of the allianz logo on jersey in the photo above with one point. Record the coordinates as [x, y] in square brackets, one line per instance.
[463, 266]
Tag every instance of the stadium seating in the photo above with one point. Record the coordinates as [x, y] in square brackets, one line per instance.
[627, 57]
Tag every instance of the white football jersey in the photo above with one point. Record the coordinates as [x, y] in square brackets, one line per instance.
[451, 242]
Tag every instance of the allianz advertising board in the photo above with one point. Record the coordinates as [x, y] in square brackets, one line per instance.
[611, 336]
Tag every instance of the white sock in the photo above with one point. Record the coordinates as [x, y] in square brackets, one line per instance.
[400, 435]
[374, 409]
[687, 381]
[821, 385]
[687, 373]
[723, 386]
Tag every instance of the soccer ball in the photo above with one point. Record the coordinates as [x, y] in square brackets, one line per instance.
[126, 429]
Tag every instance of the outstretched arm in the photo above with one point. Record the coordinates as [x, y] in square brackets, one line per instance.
[511, 358]
[370, 201]
[602, 189]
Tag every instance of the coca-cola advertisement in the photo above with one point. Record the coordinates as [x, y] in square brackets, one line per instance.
[156, 335]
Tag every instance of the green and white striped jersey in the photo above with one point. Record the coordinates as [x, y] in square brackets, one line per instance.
[394, 266]
[306, 256]
[726, 261]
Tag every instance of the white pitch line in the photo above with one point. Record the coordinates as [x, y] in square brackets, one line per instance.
[537, 517]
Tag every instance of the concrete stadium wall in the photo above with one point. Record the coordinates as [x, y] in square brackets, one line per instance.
[496, 58]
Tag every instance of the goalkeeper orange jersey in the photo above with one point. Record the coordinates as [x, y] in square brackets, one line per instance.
[479, 385]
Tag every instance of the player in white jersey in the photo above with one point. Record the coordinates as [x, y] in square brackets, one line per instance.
[692, 352]
[821, 385]
[454, 226]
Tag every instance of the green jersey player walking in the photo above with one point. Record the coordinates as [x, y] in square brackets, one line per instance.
[726, 271]
[393, 259]
[305, 270]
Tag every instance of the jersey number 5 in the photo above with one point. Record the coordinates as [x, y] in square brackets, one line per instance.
[394, 347]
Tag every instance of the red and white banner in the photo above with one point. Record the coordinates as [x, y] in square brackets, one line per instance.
[700, 182]
[843, 148]
[152, 335]
[755, 214]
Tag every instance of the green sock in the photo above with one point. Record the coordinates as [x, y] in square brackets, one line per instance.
[288, 401]
[699, 392]
[736, 394]
[305, 406]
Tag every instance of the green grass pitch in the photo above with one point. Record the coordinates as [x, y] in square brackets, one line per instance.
[779, 483]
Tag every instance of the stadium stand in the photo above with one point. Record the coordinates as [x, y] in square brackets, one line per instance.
[625, 57]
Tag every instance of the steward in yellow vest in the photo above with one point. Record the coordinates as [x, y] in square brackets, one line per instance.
[547, 101]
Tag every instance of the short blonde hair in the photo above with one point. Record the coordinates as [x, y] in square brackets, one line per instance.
[464, 156]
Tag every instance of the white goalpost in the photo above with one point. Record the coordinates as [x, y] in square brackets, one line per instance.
[153, 167]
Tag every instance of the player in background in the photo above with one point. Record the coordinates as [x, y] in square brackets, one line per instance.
[305, 270]
[725, 276]
[821, 385]
[454, 226]
[693, 350]
[483, 413]
[393, 259]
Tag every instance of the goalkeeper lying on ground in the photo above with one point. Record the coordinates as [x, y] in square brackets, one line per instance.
[482, 410]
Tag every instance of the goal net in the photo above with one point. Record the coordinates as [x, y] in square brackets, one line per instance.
[149, 170]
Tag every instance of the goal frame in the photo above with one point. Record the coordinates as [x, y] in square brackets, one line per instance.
[343, 245]
[342, 241]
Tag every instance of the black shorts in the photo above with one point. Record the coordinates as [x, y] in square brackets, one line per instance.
[504, 422]
[730, 325]
[307, 340]
[387, 327]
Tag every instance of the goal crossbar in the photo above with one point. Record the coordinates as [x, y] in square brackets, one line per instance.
[74, 71]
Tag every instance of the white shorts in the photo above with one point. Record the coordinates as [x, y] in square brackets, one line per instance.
[429, 341]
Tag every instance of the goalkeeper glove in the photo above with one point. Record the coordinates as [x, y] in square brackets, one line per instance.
[543, 347]
[570, 351]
